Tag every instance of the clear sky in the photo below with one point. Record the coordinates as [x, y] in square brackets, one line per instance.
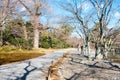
[58, 13]
[87, 7]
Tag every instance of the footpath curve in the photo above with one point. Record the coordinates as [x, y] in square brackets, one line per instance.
[32, 69]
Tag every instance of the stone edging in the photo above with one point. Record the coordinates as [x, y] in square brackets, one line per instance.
[54, 68]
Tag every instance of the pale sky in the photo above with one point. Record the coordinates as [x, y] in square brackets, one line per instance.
[58, 14]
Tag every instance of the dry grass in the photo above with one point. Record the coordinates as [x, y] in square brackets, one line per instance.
[53, 69]
[9, 55]
[14, 57]
[12, 49]
[114, 58]
[42, 50]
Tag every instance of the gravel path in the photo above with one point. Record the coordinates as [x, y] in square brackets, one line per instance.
[32, 69]
[77, 67]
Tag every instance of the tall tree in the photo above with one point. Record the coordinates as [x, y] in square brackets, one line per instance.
[7, 8]
[80, 18]
[103, 9]
[35, 9]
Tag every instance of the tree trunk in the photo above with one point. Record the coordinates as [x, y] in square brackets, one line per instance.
[36, 32]
[36, 38]
[96, 50]
[1, 38]
[25, 33]
[88, 49]
[82, 51]
[105, 51]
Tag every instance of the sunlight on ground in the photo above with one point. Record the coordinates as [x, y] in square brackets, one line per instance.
[20, 55]
[43, 50]
[14, 57]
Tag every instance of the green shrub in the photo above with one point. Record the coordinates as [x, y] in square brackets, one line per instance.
[20, 42]
[56, 43]
[44, 42]
[45, 45]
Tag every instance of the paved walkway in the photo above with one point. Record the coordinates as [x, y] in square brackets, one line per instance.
[30, 69]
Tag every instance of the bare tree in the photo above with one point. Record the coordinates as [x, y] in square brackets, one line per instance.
[34, 9]
[78, 17]
[104, 40]
[7, 8]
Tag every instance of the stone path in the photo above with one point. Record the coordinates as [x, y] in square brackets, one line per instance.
[77, 67]
[32, 69]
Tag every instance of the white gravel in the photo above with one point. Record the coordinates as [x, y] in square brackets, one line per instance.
[32, 69]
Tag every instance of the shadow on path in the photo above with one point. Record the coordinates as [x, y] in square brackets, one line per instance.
[94, 65]
[88, 71]
[28, 71]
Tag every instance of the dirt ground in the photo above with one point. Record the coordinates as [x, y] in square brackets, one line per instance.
[77, 67]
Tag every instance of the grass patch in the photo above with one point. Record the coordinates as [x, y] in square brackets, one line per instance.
[12, 49]
[43, 50]
[114, 58]
[9, 54]
[14, 57]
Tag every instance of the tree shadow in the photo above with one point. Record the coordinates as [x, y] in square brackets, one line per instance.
[94, 65]
[28, 71]
[112, 66]
[86, 72]
[75, 76]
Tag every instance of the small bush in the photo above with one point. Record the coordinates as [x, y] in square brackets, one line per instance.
[47, 42]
